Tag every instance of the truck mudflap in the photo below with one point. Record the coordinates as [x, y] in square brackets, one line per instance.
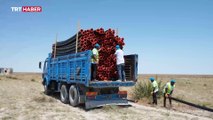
[93, 101]
[93, 104]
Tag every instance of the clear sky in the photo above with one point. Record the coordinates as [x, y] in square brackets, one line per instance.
[170, 36]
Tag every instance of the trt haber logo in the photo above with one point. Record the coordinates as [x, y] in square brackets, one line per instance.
[27, 9]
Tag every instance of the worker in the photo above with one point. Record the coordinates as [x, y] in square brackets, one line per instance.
[168, 90]
[120, 63]
[154, 90]
[94, 61]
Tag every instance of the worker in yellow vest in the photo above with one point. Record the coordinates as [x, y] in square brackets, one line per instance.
[154, 90]
[94, 61]
[168, 90]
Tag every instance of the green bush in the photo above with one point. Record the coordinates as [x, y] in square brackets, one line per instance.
[143, 90]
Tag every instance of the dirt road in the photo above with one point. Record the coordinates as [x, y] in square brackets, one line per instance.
[22, 98]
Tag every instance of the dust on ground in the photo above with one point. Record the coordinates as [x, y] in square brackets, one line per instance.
[22, 98]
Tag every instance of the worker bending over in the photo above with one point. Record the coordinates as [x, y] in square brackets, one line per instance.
[168, 90]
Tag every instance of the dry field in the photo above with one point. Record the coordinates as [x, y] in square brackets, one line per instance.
[22, 98]
[196, 89]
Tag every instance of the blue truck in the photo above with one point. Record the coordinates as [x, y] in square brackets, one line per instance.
[70, 75]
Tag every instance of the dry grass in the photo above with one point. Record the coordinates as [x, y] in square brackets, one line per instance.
[23, 99]
[191, 88]
[143, 89]
[43, 98]
[11, 77]
[33, 80]
[196, 89]
[7, 118]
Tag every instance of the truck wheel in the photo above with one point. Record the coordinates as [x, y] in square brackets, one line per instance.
[73, 96]
[47, 91]
[64, 94]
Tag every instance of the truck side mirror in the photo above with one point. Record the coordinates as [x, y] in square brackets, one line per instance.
[40, 65]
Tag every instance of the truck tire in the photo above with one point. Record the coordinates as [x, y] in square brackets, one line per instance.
[64, 94]
[73, 96]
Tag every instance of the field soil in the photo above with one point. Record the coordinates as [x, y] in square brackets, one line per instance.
[193, 88]
[22, 98]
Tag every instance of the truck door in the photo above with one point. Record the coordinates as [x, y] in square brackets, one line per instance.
[131, 67]
[44, 74]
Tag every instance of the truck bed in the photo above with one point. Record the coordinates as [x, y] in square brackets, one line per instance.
[76, 69]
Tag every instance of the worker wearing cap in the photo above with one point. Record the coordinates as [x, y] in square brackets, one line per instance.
[168, 90]
[94, 61]
[120, 63]
[154, 90]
